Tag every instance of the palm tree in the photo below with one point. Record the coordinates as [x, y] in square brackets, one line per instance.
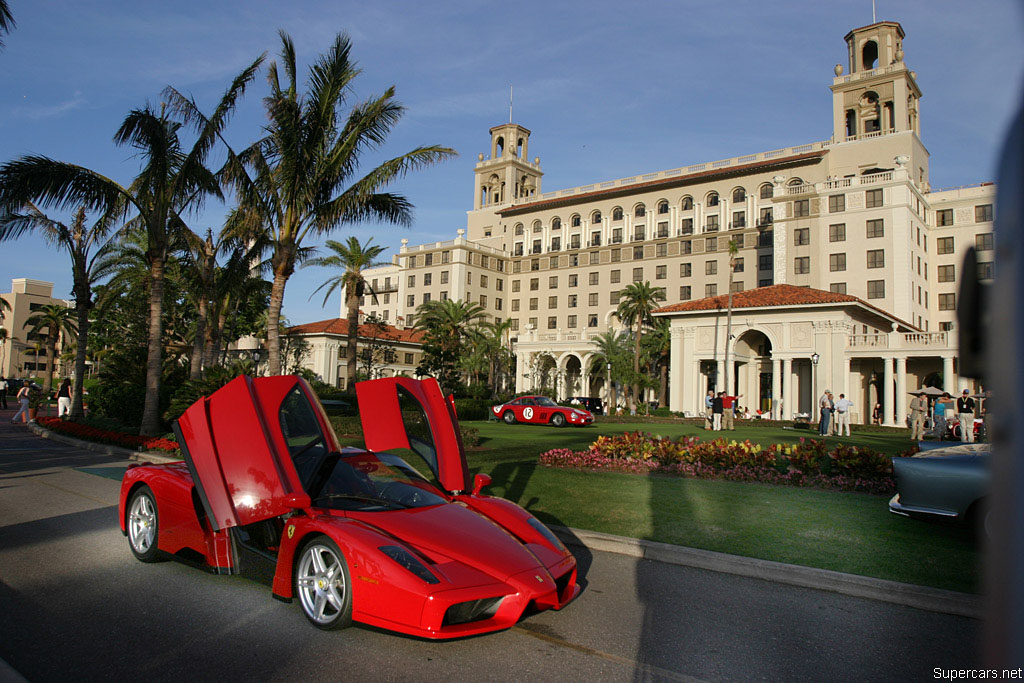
[352, 257]
[173, 181]
[56, 320]
[610, 350]
[733, 251]
[446, 325]
[495, 342]
[658, 346]
[636, 303]
[6, 19]
[91, 260]
[303, 183]
[4, 336]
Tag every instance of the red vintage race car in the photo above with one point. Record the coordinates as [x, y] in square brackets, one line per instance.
[266, 492]
[541, 410]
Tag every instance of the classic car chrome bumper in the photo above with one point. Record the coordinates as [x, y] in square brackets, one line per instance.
[898, 508]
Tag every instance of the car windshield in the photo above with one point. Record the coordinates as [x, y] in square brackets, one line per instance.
[546, 402]
[359, 480]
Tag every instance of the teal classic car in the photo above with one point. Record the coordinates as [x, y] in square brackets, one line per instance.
[949, 484]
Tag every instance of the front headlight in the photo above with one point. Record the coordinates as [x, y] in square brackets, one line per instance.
[409, 561]
[546, 533]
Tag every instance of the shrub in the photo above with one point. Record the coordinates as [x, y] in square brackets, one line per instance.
[96, 435]
[472, 409]
[346, 425]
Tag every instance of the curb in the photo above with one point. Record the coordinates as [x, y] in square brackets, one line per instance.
[106, 449]
[906, 594]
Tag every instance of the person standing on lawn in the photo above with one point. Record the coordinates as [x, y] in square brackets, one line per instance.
[918, 409]
[64, 398]
[825, 408]
[22, 398]
[729, 411]
[3, 392]
[965, 413]
[716, 411]
[708, 412]
[843, 407]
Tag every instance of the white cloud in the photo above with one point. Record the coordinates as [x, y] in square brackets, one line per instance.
[45, 111]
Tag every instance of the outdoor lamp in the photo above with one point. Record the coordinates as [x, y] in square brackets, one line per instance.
[814, 358]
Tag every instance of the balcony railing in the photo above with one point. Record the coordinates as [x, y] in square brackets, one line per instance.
[937, 341]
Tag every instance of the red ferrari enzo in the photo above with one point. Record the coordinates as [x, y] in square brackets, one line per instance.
[355, 535]
[541, 410]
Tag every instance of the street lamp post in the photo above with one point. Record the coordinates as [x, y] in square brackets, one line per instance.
[611, 408]
[816, 409]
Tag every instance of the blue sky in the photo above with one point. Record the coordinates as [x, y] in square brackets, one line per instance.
[609, 89]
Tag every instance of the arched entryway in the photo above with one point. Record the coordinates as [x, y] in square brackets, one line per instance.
[752, 371]
[572, 371]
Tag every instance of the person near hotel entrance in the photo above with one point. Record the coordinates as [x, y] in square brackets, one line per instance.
[64, 398]
[3, 392]
[965, 413]
[918, 408]
[843, 407]
[716, 411]
[825, 406]
[22, 398]
[708, 412]
[729, 411]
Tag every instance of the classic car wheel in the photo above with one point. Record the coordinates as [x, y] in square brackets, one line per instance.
[143, 525]
[509, 417]
[558, 420]
[322, 584]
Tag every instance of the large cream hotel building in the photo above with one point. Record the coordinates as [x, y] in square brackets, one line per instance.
[847, 256]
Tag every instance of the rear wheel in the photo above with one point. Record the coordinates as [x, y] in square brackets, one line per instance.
[558, 420]
[509, 417]
[143, 524]
[322, 584]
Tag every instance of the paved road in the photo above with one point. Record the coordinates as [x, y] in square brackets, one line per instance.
[75, 605]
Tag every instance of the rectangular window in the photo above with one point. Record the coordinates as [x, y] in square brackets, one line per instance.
[483, 301]
[837, 288]
[408, 359]
[411, 280]
[802, 236]
[765, 262]
[947, 302]
[553, 282]
[536, 247]
[428, 259]
[469, 278]
[837, 232]
[444, 277]
[946, 326]
[711, 290]
[556, 244]
[616, 236]
[686, 227]
[534, 303]
[515, 304]
[876, 228]
[711, 267]
[572, 301]
[571, 322]
[739, 220]
[616, 276]
[945, 245]
[532, 323]
[499, 285]
[983, 213]
[802, 265]
[711, 225]
[595, 239]
[736, 287]
[836, 262]
[662, 229]
[639, 232]
[552, 302]
[984, 242]
[553, 262]
[595, 278]
[764, 283]
[837, 203]
[661, 250]
[410, 300]
[738, 241]
[574, 280]
[446, 256]
[685, 269]
[638, 275]
[613, 298]
[483, 281]
[873, 198]
[444, 296]
[711, 244]
[534, 264]
[947, 273]
[765, 216]
[552, 322]
[616, 255]
[592, 299]
[765, 238]
[412, 261]
[876, 258]
[595, 258]
[574, 242]
[737, 265]
[986, 270]
[685, 293]
[686, 247]
[944, 217]
[801, 208]
[427, 279]
[661, 272]
[534, 284]
[592, 320]
[517, 267]
[638, 253]
[876, 289]
[515, 285]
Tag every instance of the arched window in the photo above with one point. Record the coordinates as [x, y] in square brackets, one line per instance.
[739, 195]
[687, 203]
[499, 147]
[640, 211]
[556, 223]
[617, 213]
[595, 218]
[712, 199]
[663, 206]
[536, 226]
[795, 182]
[767, 191]
[869, 55]
[519, 229]
[519, 148]
[575, 220]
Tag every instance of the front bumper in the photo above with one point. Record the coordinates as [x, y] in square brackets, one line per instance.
[897, 507]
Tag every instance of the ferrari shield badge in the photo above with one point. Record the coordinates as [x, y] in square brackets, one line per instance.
[291, 530]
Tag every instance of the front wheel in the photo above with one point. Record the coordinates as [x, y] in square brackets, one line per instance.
[143, 525]
[509, 417]
[322, 584]
[558, 420]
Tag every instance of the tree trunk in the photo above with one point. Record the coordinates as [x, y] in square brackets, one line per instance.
[274, 322]
[212, 324]
[199, 344]
[352, 306]
[662, 390]
[151, 408]
[728, 339]
[636, 370]
[51, 353]
[77, 410]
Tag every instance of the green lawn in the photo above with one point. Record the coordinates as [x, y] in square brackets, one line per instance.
[848, 532]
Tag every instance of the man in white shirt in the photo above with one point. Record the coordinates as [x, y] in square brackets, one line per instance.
[843, 407]
[3, 392]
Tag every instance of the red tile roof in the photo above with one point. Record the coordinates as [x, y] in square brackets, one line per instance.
[339, 326]
[774, 295]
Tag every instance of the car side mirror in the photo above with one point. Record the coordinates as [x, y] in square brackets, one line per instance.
[298, 501]
[479, 482]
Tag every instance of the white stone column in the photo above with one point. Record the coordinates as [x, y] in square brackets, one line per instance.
[776, 388]
[887, 406]
[947, 374]
[846, 378]
[677, 374]
[788, 399]
[901, 391]
[697, 390]
[719, 376]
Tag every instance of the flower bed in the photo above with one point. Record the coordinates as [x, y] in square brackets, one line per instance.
[87, 433]
[808, 463]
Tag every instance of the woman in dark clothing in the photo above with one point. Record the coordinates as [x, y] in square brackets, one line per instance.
[64, 398]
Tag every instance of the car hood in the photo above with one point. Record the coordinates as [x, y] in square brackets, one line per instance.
[455, 532]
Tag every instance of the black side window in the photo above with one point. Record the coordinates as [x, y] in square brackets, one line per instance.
[301, 430]
[417, 429]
